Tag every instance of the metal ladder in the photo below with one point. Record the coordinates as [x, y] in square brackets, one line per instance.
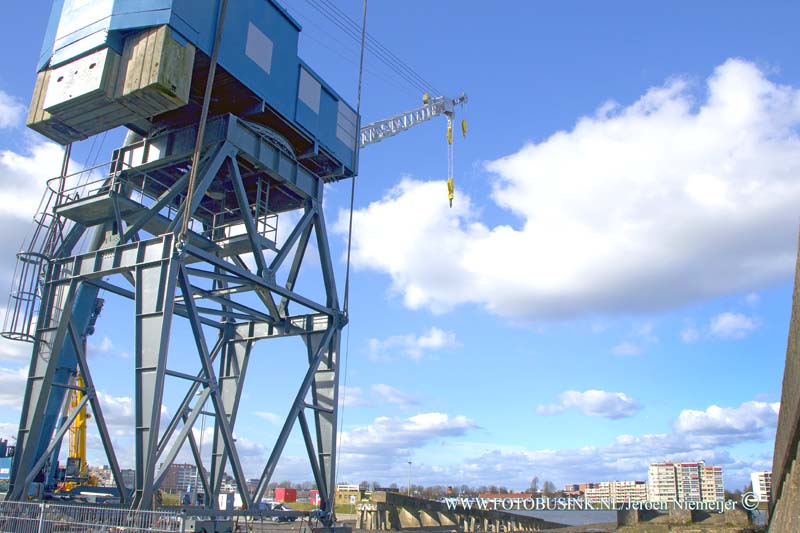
[31, 270]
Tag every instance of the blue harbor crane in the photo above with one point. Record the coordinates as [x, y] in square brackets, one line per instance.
[229, 130]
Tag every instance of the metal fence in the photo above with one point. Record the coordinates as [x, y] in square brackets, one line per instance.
[24, 517]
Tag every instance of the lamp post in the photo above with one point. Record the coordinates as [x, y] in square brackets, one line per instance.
[409, 478]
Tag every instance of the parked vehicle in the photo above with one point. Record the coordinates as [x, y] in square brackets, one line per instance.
[278, 506]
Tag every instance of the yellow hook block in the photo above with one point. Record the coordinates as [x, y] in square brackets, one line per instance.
[451, 188]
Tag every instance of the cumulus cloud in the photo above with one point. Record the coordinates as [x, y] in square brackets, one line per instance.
[12, 386]
[387, 437]
[104, 345]
[732, 326]
[12, 350]
[690, 334]
[675, 198]
[272, 418]
[351, 397]
[118, 413]
[637, 339]
[8, 431]
[593, 403]
[23, 176]
[750, 418]
[626, 348]
[625, 457]
[410, 345]
[11, 111]
[392, 395]
[379, 450]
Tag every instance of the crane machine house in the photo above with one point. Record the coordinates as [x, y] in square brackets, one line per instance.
[109, 63]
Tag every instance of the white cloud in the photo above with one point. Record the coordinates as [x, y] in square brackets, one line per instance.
[639, 336]
[11, 111]
[594, 403]
[669, 200]
[387, 437]
[626, 348]
[117, 413]
[690, 334]
[732, 326]
[23, 177]
[625, 457]
[393, 395]
[753, 299]
[351, 397]
[272, 418]
[410, 345]
[8, 431]
[750, 418]
[104, 346]
[13, 350]
[379, 451]
[12, 386]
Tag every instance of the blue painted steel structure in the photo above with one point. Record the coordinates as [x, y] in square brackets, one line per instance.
[276, 134]
[258, 50]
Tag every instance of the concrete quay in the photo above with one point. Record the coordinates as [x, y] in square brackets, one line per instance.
[392, 511]
[678, 520]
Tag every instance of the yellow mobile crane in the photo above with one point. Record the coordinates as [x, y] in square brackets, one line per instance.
[77, 431]
[77, 470]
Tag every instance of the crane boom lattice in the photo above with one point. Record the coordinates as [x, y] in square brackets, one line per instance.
[383, 129]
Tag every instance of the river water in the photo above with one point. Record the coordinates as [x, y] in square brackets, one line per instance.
[573, 518]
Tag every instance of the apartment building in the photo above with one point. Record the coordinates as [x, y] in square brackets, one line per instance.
[685, 482]
[762, 485]
[619, 491]
[711, 486]
[661, 483]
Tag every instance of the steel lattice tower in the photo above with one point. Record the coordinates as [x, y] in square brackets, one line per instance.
[247, 177]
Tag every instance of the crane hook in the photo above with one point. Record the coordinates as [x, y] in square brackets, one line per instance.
[450, 190]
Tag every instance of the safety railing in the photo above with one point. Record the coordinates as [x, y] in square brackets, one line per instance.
[145, 189]
[27, 517]
[34, 257]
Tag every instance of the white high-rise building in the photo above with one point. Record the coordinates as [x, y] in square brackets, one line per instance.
[711, 485]
[762, 485]
[661, 483]
[685, 482]
[619, 491]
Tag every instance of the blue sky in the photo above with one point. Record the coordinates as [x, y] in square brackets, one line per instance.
[612, 286]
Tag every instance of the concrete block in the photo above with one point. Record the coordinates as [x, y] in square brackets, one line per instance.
[628, 517]
[678, 516]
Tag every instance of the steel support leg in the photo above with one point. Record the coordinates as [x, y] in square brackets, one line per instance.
[232, 371]
[324, 391]
[42, 405]
[155, 297]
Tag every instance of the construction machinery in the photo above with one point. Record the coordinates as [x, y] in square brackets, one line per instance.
[230, 132]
